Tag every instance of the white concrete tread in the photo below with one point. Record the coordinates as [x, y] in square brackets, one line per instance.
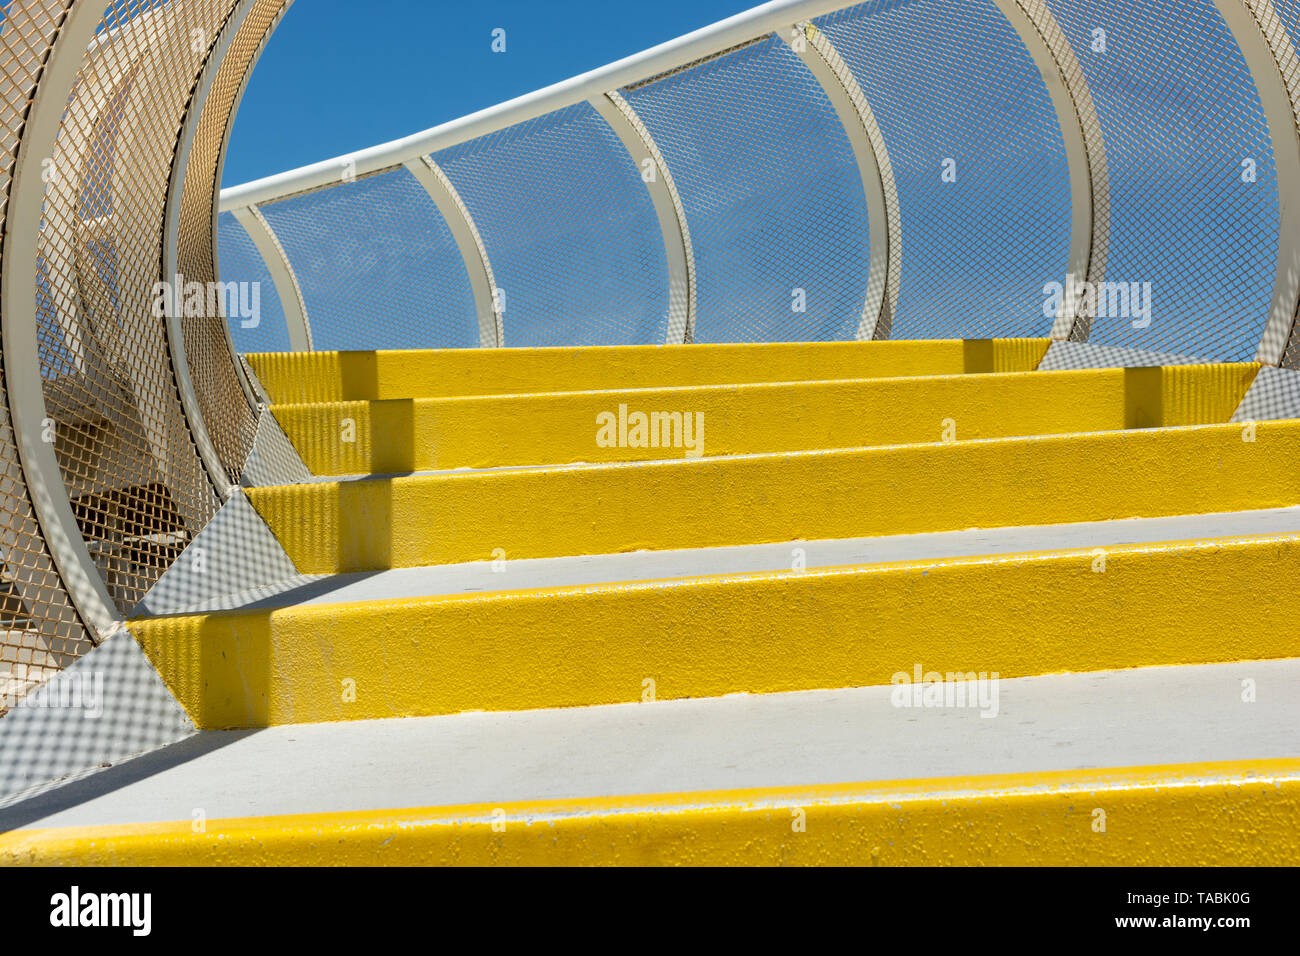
[1136, 717]
[484, 576]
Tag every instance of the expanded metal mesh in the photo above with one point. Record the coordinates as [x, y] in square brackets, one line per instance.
[570, 231]
[772, 193]
[40, 632]
[1161, 117]
[978, 158]
[126, 454]
[230, 419]
[377, 265]
[1193, 186]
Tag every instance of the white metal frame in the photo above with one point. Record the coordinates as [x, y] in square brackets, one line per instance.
[49, 494]
[282, 275]
[171, 251]
[762, 20]
[667, 201]
[874, 168]
[1271, 55]
[1085, 153]
[455, 213]
[252, 389]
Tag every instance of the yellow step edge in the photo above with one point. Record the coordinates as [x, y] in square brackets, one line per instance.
[1206, 814]
[298, 377]
[368, 525]
[1018, 615]
[399, 435]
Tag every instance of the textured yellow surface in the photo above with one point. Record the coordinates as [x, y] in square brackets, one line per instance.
[547, 512]
[1018, 615]
[296, 377]
[398, 435]
[1241, 812]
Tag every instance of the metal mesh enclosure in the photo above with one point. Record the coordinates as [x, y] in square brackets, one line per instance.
[1180, 115]
[1020, 148]
[772, 194]
[40, 631]
[111, 395]
[377, 265]
[128, 459]
[977, 154]
[569, 229]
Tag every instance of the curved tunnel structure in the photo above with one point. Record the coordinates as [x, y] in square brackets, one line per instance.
[1111, 172]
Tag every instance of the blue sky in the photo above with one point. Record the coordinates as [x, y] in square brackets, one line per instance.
[339, 76]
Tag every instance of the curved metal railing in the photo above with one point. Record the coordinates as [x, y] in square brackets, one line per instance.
[123, 417]
[1093, 170]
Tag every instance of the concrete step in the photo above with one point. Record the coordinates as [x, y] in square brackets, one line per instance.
[301, 377]
[403, 435]
[1018, 614]
[373, 525]
[1156, 766]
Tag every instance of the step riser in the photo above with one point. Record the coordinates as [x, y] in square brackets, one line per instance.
[1018, 616]
[299, 377]
[1160, 816]
[539, 513]
[387, 437]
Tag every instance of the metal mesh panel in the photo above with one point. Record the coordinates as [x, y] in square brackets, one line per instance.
[1180, 113]
[569, 228]
[228, 416]
[772, 194]
[127, 458]
[239, 260]
[377, 265]
[40, 632]
[978, 159]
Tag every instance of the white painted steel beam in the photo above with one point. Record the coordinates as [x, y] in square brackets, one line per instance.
[817, 52]
[658, 179]
[282, 274]
[1085, 152]
[454, 212]
[27, 409]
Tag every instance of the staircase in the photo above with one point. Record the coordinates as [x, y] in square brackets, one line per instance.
[894, 602]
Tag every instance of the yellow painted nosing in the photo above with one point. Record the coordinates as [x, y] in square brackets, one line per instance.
[400, 435]
[1232, 812]
[297, 377]
[330, 527]
[1017, 615]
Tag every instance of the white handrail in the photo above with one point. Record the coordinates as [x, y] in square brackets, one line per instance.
[697, 45]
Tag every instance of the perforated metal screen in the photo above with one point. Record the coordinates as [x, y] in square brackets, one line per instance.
[982, 149]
